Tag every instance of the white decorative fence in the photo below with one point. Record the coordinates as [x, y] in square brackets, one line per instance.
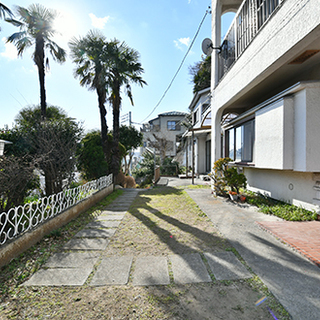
[24, 218]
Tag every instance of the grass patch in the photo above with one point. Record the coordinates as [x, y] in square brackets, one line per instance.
[278, 208]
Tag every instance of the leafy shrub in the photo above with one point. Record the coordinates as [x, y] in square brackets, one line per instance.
[225, 177]
[169, 167]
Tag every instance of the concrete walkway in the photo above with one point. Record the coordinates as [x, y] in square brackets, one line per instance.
[81, 261]
[293, 279]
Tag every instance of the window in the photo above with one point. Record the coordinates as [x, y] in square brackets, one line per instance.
[195, 117]
[208, 156]
[239, 142]
[173, 126]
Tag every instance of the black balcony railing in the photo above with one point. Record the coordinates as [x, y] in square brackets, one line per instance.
[250, 18]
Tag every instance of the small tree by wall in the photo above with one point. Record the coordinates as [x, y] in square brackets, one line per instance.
[131, 139]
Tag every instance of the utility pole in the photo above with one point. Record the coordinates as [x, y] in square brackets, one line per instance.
[192, 157]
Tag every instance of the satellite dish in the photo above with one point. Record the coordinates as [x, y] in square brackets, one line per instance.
[207, 46]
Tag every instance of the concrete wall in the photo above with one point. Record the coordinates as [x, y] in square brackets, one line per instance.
[294, 187]
[28, 239]
[307, 131]
[274, 136]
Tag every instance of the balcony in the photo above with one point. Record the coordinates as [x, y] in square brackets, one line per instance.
[270, 46]
[250, 18]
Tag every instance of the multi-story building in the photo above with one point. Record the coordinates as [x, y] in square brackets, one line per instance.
[162, 133]
[267, 74]
[200, 133]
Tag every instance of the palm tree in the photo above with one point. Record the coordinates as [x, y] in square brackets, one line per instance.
[124, 68]
[88, 55]
[4, 10]
[36, 29]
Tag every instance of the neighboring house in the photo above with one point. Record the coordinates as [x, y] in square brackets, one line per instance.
[200, 132]
[267, 74]
[162, 133]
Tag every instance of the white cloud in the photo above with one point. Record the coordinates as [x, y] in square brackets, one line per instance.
[98, 22]
[10, 50]
[182, 41]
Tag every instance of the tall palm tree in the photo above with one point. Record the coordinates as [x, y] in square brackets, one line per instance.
[36, 29]
[123, 69]
[88, 55]
[4, 10]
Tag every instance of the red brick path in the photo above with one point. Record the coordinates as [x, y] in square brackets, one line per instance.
[303, 236]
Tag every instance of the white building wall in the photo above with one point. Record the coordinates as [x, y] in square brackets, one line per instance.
[293, 187]
[274, 136]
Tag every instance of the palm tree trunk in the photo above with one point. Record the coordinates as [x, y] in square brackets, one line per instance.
[39, 60]
[116, 134]
[104, 128]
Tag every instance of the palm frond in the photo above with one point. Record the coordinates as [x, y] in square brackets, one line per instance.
[4, 10]
[57, 52]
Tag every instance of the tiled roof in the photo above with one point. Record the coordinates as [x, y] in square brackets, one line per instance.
[173, 113]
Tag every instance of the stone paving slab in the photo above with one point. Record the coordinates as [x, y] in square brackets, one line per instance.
[72, 260]
[112, 271]
[104, 224]
[86, 244]
[189, 268]
[109, 217]
[126, 201]
[117, 208]
[114, 213]
[95, 233]
[226, 266]
[151, 270]
[59, 277]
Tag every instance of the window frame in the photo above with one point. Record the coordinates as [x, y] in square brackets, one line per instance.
[173, 126]
[242, 146]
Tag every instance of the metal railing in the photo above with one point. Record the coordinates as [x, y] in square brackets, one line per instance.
[21, 219]
[250, 18]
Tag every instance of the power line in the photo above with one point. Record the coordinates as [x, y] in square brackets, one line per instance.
[184, 58]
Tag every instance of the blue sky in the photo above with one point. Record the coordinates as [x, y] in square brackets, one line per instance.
[160, 31]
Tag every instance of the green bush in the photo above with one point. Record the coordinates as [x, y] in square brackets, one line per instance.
[169, 167]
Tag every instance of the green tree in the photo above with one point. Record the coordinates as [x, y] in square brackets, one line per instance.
[88, 53]
[17, 166]
[201, 74]
[131, 139]
[52, 144]
[91, 160]
[124, 68]
[36, 29]
[145, 170]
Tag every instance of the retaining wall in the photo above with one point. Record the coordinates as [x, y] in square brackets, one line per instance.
[25, 241]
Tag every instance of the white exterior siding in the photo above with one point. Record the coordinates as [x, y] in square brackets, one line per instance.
[293, 187]
[274, 136]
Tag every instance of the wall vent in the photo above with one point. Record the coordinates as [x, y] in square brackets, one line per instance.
[305, 56]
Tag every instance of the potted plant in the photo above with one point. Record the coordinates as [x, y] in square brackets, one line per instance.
[233, 195]
[235, 181]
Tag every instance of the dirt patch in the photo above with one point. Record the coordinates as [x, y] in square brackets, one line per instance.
[161, 221]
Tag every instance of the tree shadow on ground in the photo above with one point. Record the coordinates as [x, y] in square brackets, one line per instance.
[203, 240]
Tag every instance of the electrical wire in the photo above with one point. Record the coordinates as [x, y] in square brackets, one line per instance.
[181, 64]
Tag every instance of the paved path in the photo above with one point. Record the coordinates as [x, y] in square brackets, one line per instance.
[81, 260]
[303, 236]
[293, 279]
